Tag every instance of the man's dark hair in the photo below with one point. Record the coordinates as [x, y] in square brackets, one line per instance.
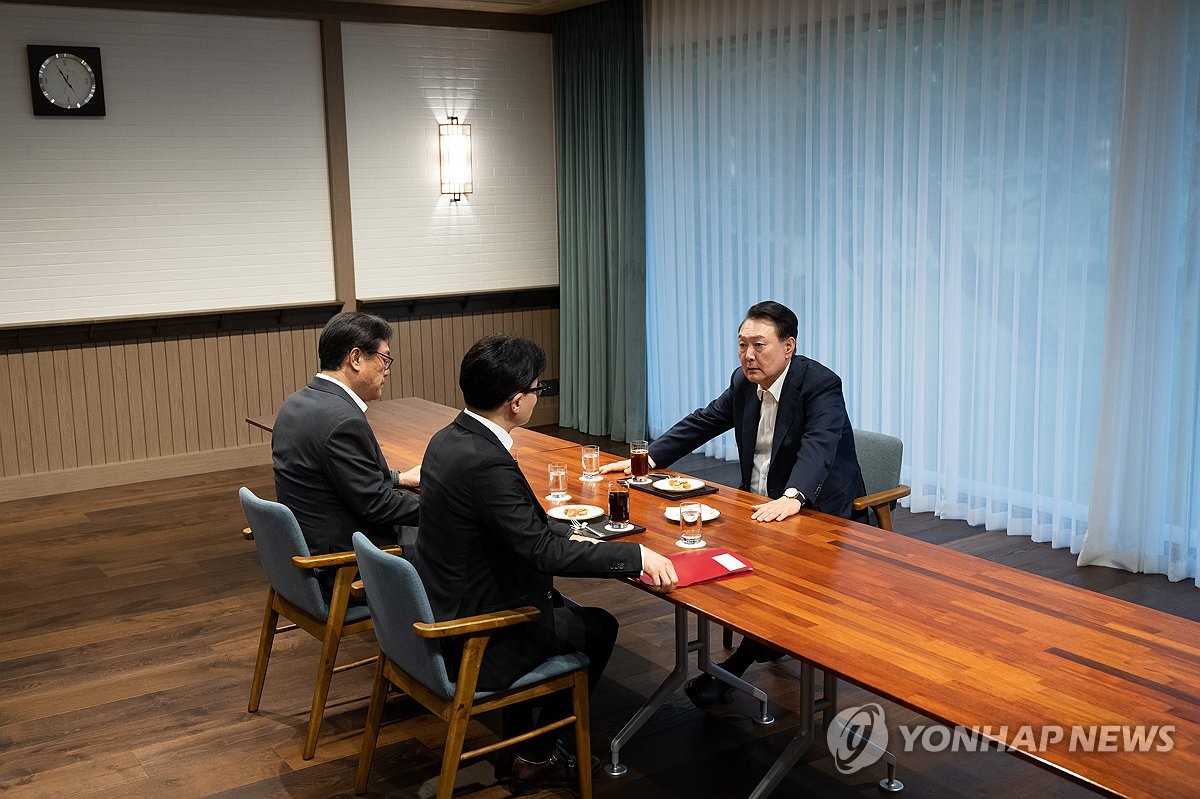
[497, 367]
[786, 324]
[348, 330]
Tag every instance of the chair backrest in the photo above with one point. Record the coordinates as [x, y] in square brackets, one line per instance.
[879, 457]
[398, 600]
[278, 538]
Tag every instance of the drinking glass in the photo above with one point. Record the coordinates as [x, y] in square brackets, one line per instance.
[690, 524]
[639, 462]
[618, 507]
[591, 463]
[558, 483]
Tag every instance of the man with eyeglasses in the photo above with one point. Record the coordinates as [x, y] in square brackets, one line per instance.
[487, 545]
[328, 466]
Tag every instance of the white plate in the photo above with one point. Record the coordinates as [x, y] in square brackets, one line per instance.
[581, 512]
[678, 484]
[707, 514]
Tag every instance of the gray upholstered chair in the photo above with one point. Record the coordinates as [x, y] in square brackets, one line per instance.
[295, 594]
[412, 660]
[879, 458]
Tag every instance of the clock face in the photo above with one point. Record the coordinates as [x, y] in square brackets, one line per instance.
[67, 81]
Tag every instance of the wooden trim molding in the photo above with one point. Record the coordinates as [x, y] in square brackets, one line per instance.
[110, 331]
[341, 10]
[491, 302]
[115, 474]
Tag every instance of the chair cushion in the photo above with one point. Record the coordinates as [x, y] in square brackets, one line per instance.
[554, 666]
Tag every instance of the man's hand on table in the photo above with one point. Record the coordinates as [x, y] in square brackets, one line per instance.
[621, 466]
[660, 570]
[776, 510]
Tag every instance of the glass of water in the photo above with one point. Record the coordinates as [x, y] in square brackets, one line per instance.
[690, 526]
[591, 463]
[558, 483]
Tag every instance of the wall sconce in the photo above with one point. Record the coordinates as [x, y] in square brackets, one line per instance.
[454, 144]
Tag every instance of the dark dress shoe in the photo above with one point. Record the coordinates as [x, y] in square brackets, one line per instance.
[706, 690]
[529, 777]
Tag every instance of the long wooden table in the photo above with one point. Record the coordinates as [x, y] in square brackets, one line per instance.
[956, 638]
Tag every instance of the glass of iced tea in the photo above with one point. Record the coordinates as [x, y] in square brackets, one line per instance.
[639, 461]
[618, 507]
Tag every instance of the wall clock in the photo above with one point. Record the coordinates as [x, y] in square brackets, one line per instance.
[66, 81]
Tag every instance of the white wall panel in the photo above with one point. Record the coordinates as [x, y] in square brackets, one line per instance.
[409, 240]
[204, 187]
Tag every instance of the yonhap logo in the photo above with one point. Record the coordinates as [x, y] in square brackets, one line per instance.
[857, 737]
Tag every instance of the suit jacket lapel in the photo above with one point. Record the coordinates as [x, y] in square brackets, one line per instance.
[472, 425]
[748, 431]
[789, 403]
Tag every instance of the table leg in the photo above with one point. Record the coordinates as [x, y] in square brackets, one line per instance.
[705, 664]
[798, 745]
[669, 686]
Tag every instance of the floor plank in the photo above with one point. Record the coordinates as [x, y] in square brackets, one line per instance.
[129, 638]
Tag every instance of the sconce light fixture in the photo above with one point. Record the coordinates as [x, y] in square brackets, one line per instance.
[454, 144]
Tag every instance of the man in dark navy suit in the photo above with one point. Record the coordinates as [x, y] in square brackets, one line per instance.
[487, 545]
[794, 438]
[328, 466]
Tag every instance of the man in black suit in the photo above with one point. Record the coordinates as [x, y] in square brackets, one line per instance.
[487, 545]
[328, 466]
[794, 439]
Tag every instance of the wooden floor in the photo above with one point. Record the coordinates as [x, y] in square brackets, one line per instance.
[129, 626]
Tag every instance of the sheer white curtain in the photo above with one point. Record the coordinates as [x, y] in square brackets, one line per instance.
[1145, 510]
[928, 185]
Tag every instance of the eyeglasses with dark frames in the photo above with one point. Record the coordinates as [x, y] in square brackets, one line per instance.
[541, 388]
[387, 359]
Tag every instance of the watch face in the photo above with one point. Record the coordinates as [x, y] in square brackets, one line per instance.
[67, 81]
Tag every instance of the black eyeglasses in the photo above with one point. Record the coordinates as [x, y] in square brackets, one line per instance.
[541, 388]
[387, 360]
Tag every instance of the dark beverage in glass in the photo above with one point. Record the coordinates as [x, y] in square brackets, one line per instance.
[618, 506]
[639, 461]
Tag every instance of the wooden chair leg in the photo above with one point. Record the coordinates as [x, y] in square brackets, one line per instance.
[329, 651]
[265, 639]
[583, 734]
[456, 735]
[379, 692]
[884, 515]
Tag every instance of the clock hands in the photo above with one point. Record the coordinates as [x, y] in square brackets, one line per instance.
[66, 80]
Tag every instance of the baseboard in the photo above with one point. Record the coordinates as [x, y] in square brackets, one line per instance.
[115, 474]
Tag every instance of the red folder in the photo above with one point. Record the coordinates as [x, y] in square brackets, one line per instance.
[706, 565]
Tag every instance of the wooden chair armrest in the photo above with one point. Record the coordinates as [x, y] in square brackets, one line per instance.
[473, 625]
[247, 534]
[335, 559]
[358, 590]
[884, 497]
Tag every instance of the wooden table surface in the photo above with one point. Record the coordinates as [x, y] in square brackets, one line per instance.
[956, 638]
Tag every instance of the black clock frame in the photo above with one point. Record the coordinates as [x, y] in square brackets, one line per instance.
[38, 53]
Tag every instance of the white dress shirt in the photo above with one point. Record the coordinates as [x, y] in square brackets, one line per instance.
[769, 397]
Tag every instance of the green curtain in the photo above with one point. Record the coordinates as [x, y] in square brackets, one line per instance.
[601, 218]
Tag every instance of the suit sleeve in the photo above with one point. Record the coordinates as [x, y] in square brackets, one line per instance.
[698, 427]
[817, 447]
[504, 502]
[358, 480]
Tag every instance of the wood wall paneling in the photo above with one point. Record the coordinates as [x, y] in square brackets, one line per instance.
[80, 414]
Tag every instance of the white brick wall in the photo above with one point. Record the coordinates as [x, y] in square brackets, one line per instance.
[204, 187]
[409, 240]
